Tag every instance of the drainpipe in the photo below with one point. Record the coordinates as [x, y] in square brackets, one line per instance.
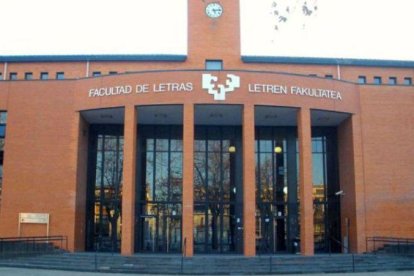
[338, 71]
[87, 68]
[5, 71]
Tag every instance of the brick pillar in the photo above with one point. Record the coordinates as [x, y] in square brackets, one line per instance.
[305, 182]
[249, 182]
[351, 177]
[188, 178]
[129, 176]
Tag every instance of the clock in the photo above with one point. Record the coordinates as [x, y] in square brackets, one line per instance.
[214, 10]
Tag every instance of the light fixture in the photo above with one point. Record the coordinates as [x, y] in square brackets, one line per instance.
[278, 149]
[232, 149]
[339, 193]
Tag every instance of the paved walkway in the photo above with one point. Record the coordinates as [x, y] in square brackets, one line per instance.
[6, 271]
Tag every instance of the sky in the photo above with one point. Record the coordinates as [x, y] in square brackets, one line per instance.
[367, 29]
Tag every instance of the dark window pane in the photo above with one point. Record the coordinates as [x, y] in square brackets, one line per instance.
[377, 80]
[60, 75]
[199, 176]
[176, 177]
[318, 169]
[200, 145]
[214, 64]
[213, 145]
[266, 176]
[44, 76]
[149, 175]
[265, 146]
[28, 76]
[149, 144]
[214, 176]
[226, 177]
[176, 145]
[110, 143]
[13, 76]
[99, 169]
[161, 176]
[392, 80]
[161, 144]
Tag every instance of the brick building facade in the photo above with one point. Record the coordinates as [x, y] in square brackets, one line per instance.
[209, 152]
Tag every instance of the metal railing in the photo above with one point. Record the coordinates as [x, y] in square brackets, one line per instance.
[343, 249]
[390, 245]
[184, 254]
[20, 246]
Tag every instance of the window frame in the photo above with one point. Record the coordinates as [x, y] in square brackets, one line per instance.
[377, 80]
[60, 75]
[44, 75]
[362, 79]
[214, 64]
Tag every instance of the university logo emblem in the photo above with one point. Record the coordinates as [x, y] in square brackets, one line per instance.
[219, 90]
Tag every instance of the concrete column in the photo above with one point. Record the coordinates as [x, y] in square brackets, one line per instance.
[305, 182]
[129, 176]
[188, 178]
[249, 182]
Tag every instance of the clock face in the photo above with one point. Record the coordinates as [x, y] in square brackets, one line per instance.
[214, 10]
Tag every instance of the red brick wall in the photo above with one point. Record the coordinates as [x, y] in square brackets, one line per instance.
[388, 145]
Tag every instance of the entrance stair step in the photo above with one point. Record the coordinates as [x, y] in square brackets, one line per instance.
[212, 264]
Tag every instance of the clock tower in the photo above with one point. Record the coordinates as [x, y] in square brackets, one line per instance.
[214, 32]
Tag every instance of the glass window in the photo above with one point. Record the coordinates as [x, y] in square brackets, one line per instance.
[107, 193]
[13, 76]
[377, 80]
[96, 74]
[1, 76]
[1, 180]
[60, 75]
[3, 117]
[362, 79]
[408, 81]
[28, 76]
[214, 65]
[329, 76]
[392, 80]
[3, 120]
[44, 75]
[159, 209]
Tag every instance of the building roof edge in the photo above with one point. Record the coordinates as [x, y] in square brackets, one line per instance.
[329, 61]
[68, 58]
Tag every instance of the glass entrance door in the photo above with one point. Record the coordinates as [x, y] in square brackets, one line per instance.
[161, 233]
[218, 226]
[104, 208]
[159, 191]
[276, 190]
[271, 229]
